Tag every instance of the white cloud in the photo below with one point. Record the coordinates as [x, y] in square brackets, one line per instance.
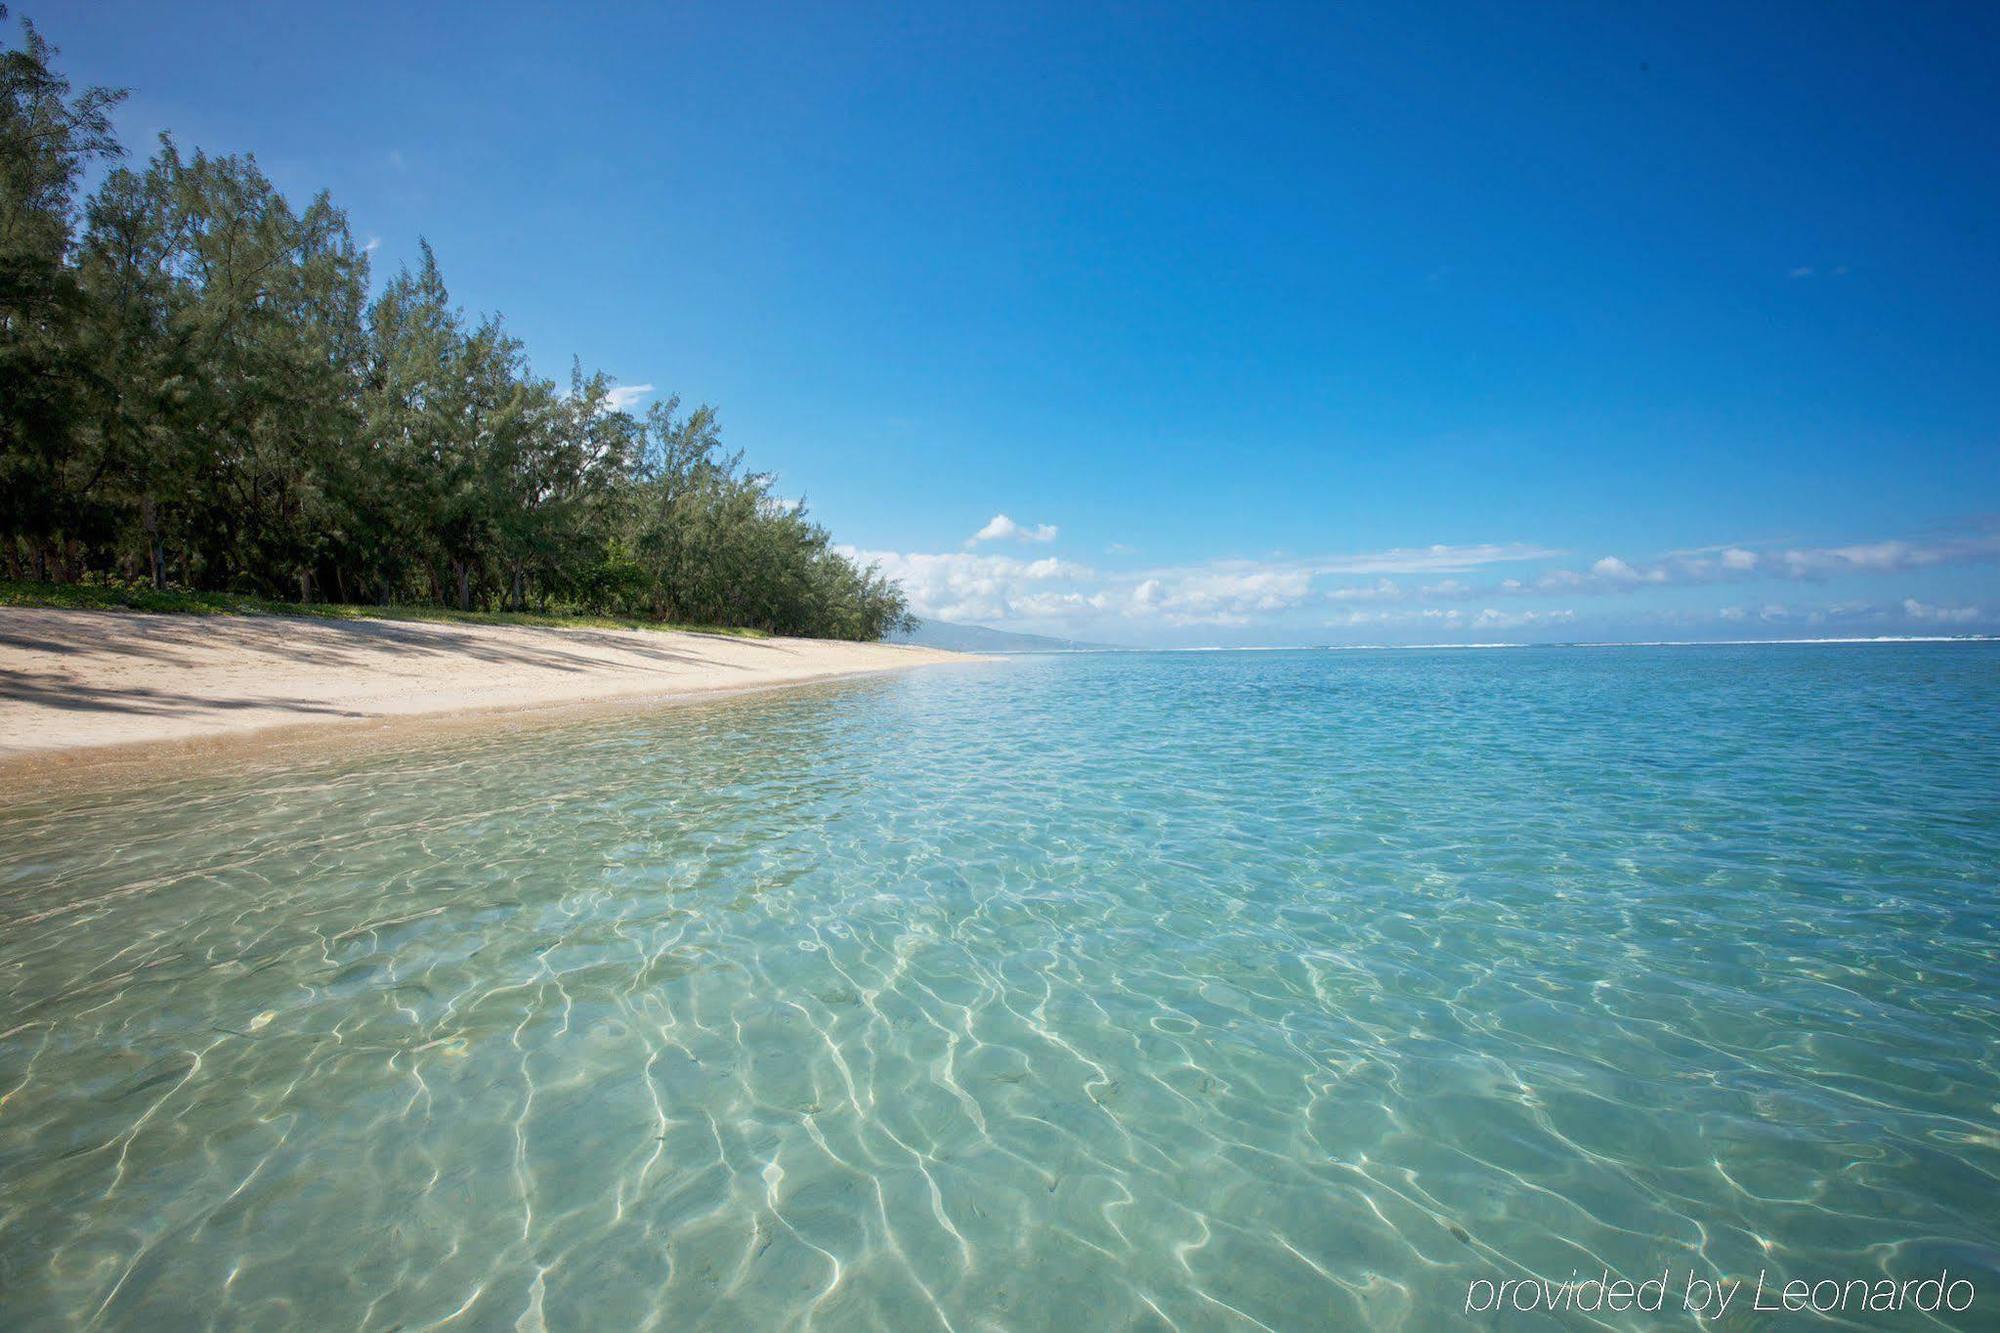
[986, 588]
[1852, 612]
[1812, 562]
[1277, 593]
[1060, 605]
[962, 586]
[1943, 615]
[373, 244]
[1732, 564]
[1611, 574]
[1220, 596]
[1615, 571]
[1382, 590]
[1431, 559]
[625, 397]
[1492, 619]
[1230, 591]
[1430, 615]
[1451, 619]
[1001, 528]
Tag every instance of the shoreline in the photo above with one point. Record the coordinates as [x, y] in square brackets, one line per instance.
[82, 686]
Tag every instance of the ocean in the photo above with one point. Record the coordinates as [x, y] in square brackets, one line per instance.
[1278, 990]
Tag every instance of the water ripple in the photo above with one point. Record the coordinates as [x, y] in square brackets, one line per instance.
[1257, 991]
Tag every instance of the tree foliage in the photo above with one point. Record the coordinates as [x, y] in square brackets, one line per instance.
[197, 390]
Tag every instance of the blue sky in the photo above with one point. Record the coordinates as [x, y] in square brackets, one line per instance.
[1263, 324]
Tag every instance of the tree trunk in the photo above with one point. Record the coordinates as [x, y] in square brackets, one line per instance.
[464, 585]
[156, 551]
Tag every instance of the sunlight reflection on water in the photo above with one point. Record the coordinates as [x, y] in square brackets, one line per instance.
[1134, 991]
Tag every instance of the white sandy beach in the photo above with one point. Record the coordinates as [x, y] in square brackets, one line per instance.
[76, 680]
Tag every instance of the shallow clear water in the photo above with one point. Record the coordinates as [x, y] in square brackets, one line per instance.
[1193, 991]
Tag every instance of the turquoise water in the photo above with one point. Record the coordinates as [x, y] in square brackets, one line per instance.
[1170, 991]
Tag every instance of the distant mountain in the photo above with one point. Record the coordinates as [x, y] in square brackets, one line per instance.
[979, 639]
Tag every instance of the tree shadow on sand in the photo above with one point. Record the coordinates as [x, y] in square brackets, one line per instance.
[45, 692]
[355, 643]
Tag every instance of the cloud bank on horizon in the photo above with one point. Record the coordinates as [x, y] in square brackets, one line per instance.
[1522, 591]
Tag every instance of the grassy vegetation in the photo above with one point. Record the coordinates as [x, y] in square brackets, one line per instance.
[102, 596]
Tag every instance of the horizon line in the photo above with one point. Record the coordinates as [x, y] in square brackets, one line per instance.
[1567, 643]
